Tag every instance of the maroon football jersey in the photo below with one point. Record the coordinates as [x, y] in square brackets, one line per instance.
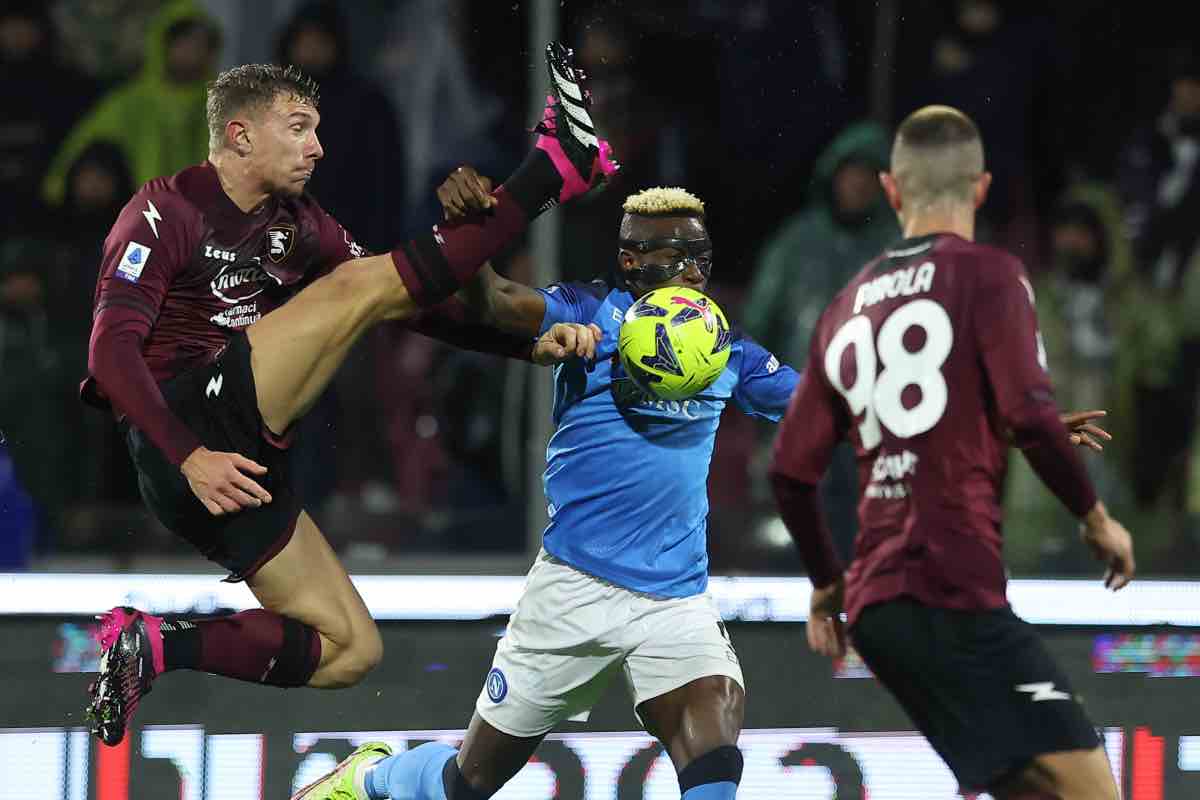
[183, 267]
[195, 267]
[928, 361]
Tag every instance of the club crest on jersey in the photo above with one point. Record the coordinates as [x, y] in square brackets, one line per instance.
[497, 685]
[218, 253]
[281, 239]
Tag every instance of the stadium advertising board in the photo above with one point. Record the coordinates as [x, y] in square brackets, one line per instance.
[813, 730]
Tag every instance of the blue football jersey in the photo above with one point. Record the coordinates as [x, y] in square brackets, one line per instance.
[626, 473]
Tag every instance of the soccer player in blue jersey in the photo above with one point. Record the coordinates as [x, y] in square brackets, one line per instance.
[620, 584]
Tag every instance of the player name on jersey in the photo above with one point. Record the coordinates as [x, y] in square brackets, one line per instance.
[898, 283]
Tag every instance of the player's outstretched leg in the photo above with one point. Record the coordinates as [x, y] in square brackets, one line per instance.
[296, 349]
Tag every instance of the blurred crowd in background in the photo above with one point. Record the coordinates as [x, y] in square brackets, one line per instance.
[777, 113]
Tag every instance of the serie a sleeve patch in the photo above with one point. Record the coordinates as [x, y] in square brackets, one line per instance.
[134, 261]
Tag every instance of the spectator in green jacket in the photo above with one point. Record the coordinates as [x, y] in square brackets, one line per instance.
[845, 223]
[157, 119]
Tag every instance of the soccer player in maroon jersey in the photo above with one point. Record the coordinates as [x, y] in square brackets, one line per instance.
[227, 299]
[930, 362]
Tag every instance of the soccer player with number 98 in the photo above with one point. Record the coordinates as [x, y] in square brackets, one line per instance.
[930, 363]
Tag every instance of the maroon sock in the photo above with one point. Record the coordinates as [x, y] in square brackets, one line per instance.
[258, 646]
[435, 265]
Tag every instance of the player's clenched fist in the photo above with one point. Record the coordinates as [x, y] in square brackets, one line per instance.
[220, 481]
[465, 191]
[566, 340]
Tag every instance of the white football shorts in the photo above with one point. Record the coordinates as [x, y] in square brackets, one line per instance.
[571, 632]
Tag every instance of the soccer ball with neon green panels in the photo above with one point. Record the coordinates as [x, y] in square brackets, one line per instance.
[674, 342]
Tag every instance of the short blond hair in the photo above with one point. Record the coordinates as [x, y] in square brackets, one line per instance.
[664, 201]
[937, 156]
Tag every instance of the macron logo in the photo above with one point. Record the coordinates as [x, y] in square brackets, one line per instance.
[214, 385]
[1043, 691]
[152, 217]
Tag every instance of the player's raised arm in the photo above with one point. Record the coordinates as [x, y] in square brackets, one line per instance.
[1015, 361]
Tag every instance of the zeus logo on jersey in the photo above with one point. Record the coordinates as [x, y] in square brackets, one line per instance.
[152, 217]
[224, 255]
[133, 262]
[1041, 691]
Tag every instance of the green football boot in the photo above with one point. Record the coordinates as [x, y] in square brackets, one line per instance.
[345, 782]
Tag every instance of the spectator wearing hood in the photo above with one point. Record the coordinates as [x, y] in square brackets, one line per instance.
[157, 118]
[845, 224]
[358, 129]
[31, 128]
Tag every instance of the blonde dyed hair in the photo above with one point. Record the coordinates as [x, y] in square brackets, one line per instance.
[664, 201]
[937, 157]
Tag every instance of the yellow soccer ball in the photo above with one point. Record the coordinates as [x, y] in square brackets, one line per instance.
[674, 342]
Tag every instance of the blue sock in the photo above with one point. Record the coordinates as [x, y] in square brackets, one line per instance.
[713, 776]
[412, 775]
[725, 790]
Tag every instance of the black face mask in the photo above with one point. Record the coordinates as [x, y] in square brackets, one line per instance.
[696, 252]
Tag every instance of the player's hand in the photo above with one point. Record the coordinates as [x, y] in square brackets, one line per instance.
[465, 192]
[1083, 432]
[825, 630]
[566, 340]
[1110, 543]
[221, 481]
